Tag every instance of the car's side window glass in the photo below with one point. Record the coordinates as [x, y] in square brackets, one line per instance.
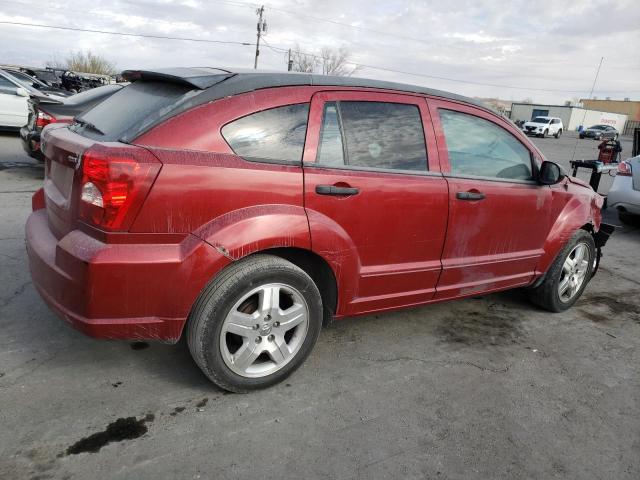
[383, 135]
[330, 149]
[276, 134]
[478, 147]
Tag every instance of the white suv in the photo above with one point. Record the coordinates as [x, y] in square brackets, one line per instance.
[543, 126]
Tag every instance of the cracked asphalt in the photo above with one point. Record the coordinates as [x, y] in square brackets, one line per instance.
[488, 387]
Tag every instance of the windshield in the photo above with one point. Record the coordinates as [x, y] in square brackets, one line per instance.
[24, 78]
[597, 127]
[23, 84]
[540, 120]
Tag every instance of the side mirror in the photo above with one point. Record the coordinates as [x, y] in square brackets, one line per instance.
[22, 92]
[550, 173]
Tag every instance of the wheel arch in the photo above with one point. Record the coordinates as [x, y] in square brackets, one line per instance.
[279, 230]
[577, 215]
[320, 272]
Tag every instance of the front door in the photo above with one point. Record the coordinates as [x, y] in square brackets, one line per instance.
[376, 202]
[498, 214]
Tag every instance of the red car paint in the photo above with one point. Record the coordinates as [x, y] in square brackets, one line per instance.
[403, 240]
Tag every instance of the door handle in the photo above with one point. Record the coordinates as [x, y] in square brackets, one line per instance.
[470, 196]
[336, 191]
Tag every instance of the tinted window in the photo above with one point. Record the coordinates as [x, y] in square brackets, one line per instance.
[138, 105]
[376, 135]
[90, 95]
[479, 147]
[330, 150]
[275, 134]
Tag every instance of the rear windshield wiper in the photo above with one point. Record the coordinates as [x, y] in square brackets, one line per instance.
[89, 125]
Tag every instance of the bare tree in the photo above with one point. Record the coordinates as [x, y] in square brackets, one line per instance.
[328, 62]
[302, 62]
[86, 62]
[335, 62]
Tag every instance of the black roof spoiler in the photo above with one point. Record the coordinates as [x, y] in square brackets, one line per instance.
[200, 78]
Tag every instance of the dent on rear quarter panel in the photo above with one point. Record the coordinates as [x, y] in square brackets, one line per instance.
[576, 207]
[248, 230]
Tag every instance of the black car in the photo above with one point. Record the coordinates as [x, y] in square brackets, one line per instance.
[599, 132]
[43, 111]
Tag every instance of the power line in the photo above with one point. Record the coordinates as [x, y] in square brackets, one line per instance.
[362, 65]
[124, 34]
[326, 20]
[449, 79]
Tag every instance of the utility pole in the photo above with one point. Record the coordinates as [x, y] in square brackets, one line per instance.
[290, 62]
[262, 29]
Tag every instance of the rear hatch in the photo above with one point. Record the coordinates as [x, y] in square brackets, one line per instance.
[63, 151]
[92, 177]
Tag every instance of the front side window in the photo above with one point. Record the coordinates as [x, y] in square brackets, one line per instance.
[376, 135]
[478, 147]
[276, 134]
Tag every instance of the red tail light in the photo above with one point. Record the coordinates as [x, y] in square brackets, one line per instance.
[624, 169]
[115, 182]
[43, 119]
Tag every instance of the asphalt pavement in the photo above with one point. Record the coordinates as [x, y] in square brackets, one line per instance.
[489, 387]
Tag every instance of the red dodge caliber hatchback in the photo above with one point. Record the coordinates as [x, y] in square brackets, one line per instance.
[245, 209]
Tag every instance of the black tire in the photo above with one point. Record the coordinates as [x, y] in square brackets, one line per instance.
[546, 294]
[558, 133]
[545, 133]
[218, 298]
[629, 218]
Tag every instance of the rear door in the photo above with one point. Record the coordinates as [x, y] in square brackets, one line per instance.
[377, 206]
[498, 214]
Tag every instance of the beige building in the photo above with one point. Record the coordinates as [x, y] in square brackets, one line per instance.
[572, 117]
[625, 107]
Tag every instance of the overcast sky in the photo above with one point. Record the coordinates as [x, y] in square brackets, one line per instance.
[552, 45]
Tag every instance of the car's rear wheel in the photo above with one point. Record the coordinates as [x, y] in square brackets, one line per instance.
[568, 276]
[558, 133]
[255, 323]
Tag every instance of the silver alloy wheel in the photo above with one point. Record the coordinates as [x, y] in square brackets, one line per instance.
[574, 272]
[264, 330]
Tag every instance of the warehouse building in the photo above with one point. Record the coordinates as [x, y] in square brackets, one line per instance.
[572, 116]
[628, 107]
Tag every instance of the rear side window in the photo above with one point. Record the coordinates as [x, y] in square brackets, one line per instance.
[133, 108]
[276, 134]
[478, 147]
[375, 135]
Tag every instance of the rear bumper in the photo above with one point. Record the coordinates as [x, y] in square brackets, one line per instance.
[31, 143]
[119, 291]
[622, 196]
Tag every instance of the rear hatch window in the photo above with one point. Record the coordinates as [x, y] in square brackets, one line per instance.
[131, 110]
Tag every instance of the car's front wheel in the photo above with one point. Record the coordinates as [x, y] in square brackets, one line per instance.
[568, 275]
[255, 323]
[558, 133]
